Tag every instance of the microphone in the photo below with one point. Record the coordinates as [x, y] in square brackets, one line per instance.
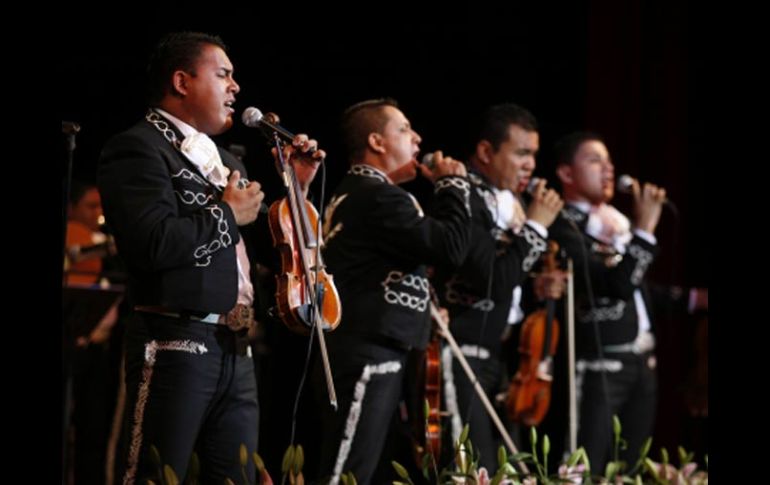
[625, 184]
[427, 160]
[532, 185]
[253, 118]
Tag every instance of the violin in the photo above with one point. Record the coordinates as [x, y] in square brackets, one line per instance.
[303, 285]
[428, 439]
[529, 394]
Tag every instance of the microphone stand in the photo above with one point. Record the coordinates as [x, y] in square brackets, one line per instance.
[69, 129]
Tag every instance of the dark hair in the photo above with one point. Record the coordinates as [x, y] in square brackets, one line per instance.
[175, 51]
[78, 190]
[361, 119]
[494, 123]
[566, 147]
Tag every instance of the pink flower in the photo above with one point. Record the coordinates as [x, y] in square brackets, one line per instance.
[574, 473]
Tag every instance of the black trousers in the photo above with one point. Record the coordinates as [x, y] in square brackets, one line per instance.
[482, 431]
[631, 395]
[368, 378]
[190, 386]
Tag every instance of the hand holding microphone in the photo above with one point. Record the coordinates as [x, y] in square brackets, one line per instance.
[435, 165]
[648, 201]
[296, 147]
[546, 203]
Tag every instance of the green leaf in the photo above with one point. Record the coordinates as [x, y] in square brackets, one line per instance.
[400, 470]
[584, 458]
[616, 427]
[520, 456]
[258, 462]
[194, 468]
[243, 455]
[651, 468]
[611, 470]
[288, 458]
[426, 409]
[464, 434]
[684, 457]
[299, 459]
[169, 476]
[573, 458]
[426, 459]
[155, 456]
[502, 456]
[664, 456]
[646, 447]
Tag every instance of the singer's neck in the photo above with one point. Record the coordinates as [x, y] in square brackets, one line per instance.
[575, 197]
[380, 162]
[582, 206]
[174, 107]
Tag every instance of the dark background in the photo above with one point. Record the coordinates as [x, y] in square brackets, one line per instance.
[627, 70]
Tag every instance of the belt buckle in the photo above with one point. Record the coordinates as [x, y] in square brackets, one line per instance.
[240, 317]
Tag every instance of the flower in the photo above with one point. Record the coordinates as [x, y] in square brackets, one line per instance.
[572, 473]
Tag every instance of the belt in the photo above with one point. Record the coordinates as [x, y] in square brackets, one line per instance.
[240, 317]
[475, 351]
[643, 343]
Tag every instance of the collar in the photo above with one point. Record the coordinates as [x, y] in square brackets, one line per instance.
[184, 128]
[370, 171]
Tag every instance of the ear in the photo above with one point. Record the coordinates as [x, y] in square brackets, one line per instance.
[484, 152]
[375, 142]
[179, 83]
[564, 172]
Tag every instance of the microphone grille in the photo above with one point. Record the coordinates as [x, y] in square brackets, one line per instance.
[624, 183]
[251, 117]
[532, 185]
[427, 160]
